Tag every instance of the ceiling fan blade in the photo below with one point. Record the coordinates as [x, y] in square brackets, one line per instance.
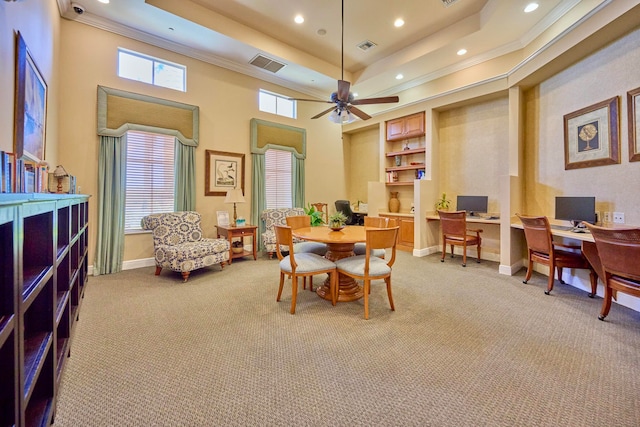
[343, 90]
[384, 100]
[324, 112]
[311, 100]
[358, 112]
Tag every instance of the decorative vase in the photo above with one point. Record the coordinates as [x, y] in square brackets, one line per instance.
[394, 202]
[398, 160]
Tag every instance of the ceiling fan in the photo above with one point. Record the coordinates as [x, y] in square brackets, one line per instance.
[345, 108]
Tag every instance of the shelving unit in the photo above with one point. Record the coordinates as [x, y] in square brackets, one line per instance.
[43, 266]
[405, 140]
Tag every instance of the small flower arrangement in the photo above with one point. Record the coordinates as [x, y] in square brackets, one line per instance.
[337, 220]
[443, 203]
[236, 246]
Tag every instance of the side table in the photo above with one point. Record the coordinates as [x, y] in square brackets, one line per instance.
[230, 232]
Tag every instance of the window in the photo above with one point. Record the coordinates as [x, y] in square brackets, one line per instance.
[270, 102]
[150, 177]
[278, 179]
[136, 66]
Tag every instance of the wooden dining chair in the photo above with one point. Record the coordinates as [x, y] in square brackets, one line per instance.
[369, 267]
[324, 208]
[301, 265]
[455, 233]
[619, 252]
[543, 250]
[301, 221]
[378, 222]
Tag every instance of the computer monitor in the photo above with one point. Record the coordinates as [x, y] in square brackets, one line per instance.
[576, 209]
[473, 204]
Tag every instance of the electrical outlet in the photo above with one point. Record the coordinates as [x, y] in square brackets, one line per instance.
[618, 217]
[607, 217]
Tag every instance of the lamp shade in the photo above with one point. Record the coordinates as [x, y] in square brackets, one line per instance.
[234, 196]
[60, 172]
[341, 116]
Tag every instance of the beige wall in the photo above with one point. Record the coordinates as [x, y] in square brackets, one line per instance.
[473, 155]
[39, 23]
[365, 164]
[227, 102]
[607, 73]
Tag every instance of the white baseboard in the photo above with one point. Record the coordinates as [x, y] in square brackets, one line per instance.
[130, 265]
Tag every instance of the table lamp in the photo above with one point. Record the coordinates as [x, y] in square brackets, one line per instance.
[59, 173]
[234, 196]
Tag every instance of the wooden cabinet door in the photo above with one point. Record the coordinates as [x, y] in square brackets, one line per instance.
[414, 125]
[405, 234]
[395, 129]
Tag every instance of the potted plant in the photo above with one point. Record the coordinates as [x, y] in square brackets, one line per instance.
[337, 220]
[316, 215]
[443, 203]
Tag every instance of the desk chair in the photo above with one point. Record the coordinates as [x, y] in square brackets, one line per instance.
[542, 249]
[369, 267]
[301, 265]
[619, 251]
[455, 233]
[344, 207]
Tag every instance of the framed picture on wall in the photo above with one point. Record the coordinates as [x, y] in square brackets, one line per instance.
[31, 106]
[224, 171]
[633, 108]
[591, 136]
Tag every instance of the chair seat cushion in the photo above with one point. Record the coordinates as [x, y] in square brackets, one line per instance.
[471, 240]
[310, 248]
[307, 263]
[191, 250]
[355, 265]
[361, 249]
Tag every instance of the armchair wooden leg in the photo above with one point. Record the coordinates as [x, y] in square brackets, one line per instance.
[185, 275]
[606, 303]
[158, 270]
[552, 271]
[594, 283]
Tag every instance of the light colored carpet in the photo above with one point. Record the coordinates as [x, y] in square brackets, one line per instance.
[465, 347]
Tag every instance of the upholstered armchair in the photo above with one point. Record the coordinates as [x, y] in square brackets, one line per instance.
[179, 245]
[271, 217]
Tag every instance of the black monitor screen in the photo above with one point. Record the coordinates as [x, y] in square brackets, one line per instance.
[473, 204]
[576, 209]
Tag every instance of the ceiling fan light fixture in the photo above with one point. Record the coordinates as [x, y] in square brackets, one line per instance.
[341, 116]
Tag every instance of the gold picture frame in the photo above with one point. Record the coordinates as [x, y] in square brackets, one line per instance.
[224, 171]
[633, 110]
[591, 136]
[30, 106]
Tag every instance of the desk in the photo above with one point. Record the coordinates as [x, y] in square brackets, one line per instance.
[339, 245]
[474, 219]
[359, 217]
[587, 243]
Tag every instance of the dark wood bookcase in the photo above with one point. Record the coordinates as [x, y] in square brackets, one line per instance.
[43, 272]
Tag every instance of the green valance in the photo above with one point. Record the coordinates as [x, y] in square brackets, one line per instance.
[266, 135]
[120, 111]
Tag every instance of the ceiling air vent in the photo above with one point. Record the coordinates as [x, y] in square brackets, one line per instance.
[448, 3]
[366, 45]
[265, 63]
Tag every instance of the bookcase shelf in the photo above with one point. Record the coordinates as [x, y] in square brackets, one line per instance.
[43, 259]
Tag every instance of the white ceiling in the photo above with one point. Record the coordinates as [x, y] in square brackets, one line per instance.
[230, 33]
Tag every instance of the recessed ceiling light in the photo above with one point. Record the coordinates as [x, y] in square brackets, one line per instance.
[462, 52]
[399, 22]
[321, 32]
[104, 1]
[531, 7]
[399, 77]
[299, 19]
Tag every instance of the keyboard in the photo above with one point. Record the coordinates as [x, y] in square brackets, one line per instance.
[561, 227]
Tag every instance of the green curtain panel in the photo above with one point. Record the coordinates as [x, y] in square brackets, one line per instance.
[185, 185]
[267, 135]
[111, 200]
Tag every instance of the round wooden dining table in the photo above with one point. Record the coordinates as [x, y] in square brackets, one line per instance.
[340, 245]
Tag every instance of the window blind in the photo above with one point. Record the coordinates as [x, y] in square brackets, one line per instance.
[278, 179]
[150, 177]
